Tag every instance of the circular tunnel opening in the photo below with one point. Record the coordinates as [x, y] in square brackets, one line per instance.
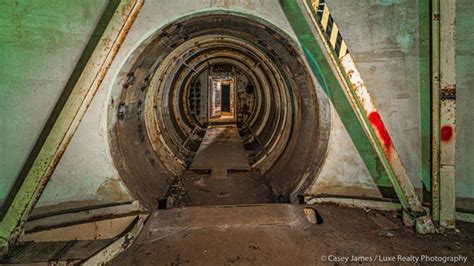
[208, 70]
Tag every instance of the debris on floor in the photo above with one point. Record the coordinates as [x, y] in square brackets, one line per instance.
[199, 189]
[281, 234]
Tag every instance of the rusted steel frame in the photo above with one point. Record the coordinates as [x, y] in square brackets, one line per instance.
[424, 23]
[354, 203]
[191, 135]
[435, 90]
[98, 229]
[447, 114]
[253, 133]
[465, 217]
[67, 122]
[366, 110]
[119, 244]
[84, 216]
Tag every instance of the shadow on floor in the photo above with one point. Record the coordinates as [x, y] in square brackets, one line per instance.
[198, 189]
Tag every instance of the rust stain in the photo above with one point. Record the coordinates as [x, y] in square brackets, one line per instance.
[448, 92]
[111, 190]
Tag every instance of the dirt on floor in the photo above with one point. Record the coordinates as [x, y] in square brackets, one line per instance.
[280, 234]
[198, 189]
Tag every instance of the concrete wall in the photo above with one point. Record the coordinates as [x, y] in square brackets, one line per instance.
[40, 43]
[465, 104]
[386, 53]
[344, 171]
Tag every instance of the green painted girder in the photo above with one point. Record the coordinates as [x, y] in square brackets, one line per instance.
[425, 95]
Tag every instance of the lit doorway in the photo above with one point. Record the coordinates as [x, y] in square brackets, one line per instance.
[221, 100]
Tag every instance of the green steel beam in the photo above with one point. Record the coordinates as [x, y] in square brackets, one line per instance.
[435, 70]
[425, 95]
[69, 112]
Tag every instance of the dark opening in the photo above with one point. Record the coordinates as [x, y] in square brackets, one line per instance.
[225, 98]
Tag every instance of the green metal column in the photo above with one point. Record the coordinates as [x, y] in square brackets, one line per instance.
[425, 96]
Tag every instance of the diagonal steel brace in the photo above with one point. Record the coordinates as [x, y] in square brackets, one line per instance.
[316, 27]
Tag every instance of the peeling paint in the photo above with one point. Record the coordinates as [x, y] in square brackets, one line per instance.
[112, 189]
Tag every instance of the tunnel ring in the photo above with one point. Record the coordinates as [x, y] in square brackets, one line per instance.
[148, 119]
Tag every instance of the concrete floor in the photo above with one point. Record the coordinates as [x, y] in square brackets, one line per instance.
[222, 221]
[280, 234]
[226, 179]
[221, 148]
[199, 189]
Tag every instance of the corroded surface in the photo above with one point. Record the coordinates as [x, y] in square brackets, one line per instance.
[151, 134]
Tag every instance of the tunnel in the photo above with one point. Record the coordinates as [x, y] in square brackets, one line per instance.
[210, 69]
[236, 132]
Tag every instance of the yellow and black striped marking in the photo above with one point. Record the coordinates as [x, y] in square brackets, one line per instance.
[329, 27]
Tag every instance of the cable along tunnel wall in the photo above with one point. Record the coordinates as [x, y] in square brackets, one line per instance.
[155, 134]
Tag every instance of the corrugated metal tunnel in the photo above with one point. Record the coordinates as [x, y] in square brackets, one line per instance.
[163, 103]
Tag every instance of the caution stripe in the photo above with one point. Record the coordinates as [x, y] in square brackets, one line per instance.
[329, 27]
